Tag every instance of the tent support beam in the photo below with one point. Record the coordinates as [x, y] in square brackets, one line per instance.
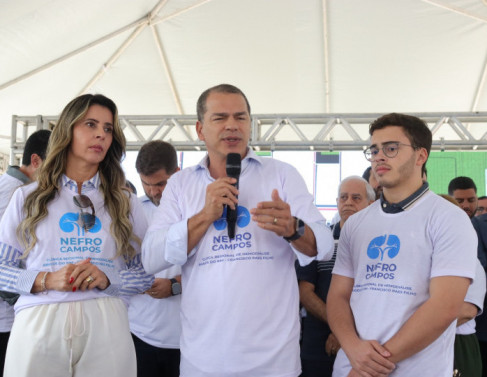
[481, 86]
[457, 10]
[80, 50]
[324, 6]
[124, 46]
[167, 70]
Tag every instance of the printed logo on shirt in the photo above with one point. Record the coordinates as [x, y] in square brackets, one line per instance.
[381, 272]
[233, 250]
[383, 246]
[69, 223]
[243, 218]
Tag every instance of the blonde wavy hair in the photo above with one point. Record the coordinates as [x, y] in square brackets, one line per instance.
[112, 178]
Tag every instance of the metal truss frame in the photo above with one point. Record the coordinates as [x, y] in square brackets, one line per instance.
[319, 132]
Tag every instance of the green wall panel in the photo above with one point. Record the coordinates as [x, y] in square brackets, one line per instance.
[444, 166]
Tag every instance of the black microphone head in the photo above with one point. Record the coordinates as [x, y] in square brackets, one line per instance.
[233, 165]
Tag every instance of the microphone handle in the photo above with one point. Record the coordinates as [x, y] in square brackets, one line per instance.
[232, 217]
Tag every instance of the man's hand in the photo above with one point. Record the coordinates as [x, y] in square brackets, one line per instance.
[369, 358]
[218, 194]
[332, 345]
[161, 288]
[274, 216]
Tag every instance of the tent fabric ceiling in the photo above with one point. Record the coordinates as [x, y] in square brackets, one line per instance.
[288, 56]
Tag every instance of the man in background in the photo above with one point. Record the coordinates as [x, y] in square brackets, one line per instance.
[369, 176]
[480, 225]
[16, 176]
[318, 344]
[464, 190]
[482, 206]
[154, 316]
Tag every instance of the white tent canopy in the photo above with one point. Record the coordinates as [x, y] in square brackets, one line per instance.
[289, 56]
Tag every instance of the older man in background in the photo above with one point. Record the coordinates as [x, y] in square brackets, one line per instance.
[319, 346]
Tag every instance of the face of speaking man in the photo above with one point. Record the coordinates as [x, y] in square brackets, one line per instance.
[226, 125]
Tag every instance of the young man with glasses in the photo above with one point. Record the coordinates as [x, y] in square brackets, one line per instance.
[403, 265]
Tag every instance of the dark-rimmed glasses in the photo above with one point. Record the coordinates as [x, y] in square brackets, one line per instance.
[87, 219]
[390, 150]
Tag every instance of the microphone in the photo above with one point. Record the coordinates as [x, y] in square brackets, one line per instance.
[233, 171]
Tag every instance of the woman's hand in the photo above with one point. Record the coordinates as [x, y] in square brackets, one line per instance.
[72, 277]
[86, 276]
[56, 280]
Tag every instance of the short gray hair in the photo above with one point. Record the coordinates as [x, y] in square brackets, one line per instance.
[368, 188]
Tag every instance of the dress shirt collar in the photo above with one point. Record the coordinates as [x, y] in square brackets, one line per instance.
[14, 171]
[404, 204]
[89, 185]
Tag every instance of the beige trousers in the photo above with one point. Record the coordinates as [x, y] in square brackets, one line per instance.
[74, 339]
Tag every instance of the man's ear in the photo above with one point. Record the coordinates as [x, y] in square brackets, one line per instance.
[199, 130]
[423, 156]
[35, 160]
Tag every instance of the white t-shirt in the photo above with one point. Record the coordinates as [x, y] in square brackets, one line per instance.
[156, 321]
[8, 184]
[392, 258]
[240, 297]
[475, 295]
[61, 240]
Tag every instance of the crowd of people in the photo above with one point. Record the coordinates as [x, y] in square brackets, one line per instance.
[97, 282]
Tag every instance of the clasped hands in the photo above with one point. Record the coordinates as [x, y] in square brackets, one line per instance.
[73, 277]
[369, 359]
[274, 215]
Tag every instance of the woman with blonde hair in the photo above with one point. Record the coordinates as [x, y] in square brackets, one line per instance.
[70, 246]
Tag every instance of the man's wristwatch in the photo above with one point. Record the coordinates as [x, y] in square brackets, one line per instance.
[299, 230]
[175, 287]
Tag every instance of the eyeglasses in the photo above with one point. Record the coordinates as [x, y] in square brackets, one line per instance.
[390, 150]
[87, 219]
[356, 198]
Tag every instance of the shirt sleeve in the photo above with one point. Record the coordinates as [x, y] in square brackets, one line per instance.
[302, 206]
[166, 241]
[308, 273]
[134, 279]
[476, 291]
[453, 255]
[13, 278]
